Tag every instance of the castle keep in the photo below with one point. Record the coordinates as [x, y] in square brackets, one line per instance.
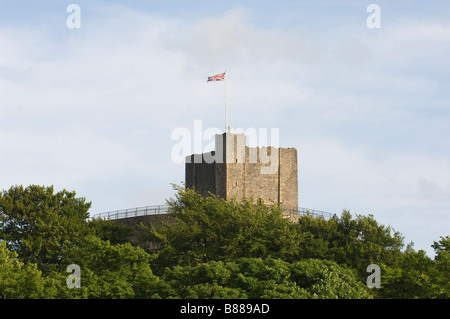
[235, 169]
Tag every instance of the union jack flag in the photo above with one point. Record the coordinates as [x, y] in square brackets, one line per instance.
[218, 77]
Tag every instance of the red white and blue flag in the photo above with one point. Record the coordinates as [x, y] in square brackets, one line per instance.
[218, 77]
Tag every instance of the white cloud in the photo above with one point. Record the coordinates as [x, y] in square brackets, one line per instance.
[59, 157]
[407, 190]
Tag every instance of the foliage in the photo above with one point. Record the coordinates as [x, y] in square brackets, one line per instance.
[355, 242]
[109, 271]
[214, 229]
[19, 280]
[442, 259]
[261, 278]
[215, 249]
[111, 231]
[39, 224]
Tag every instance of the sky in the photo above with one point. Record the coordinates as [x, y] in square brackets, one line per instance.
[93, 109]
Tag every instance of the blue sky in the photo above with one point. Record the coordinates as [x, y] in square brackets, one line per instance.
[93, 109]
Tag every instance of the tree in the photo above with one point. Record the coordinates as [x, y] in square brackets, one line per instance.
[39, 224]
[410, 278]
[107, 271]
[442, 250]
[354, 242]
[442, 259]
[19, 280]
[111, 231]
[256, 278]
[214, 249]
[326, 279]
[212, 228]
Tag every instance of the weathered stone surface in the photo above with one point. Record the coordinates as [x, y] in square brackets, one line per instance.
[245, 172]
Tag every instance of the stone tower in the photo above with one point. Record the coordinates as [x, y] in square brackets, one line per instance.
[235, 169]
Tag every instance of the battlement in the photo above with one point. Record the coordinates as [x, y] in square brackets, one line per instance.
[235, 169]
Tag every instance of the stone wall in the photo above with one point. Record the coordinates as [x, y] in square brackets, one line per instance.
[134, 224]
[245, 172]
[146, 220]
[200, 175]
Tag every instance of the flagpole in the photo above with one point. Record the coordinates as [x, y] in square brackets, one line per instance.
[226, 111]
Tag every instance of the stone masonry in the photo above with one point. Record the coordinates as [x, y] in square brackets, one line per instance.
[235, 169]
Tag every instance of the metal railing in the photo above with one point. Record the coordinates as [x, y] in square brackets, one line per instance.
[306, 211]
[134, 212]
[164, 209]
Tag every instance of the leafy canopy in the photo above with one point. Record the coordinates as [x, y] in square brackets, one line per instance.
[211, 248]
[39, 224]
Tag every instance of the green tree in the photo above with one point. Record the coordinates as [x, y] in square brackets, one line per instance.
[19, 280]
[39, 224]
[260, 278]
[442, 259]
[213, 249]
[326, 279]
[355, 242]
[111, 231]
[442, 250]
[412, 277]
[107, 271]
[211, 228]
